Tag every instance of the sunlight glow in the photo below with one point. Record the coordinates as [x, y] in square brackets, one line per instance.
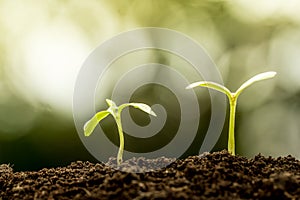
[53, 55]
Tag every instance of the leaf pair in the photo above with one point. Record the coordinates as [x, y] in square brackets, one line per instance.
[115, 111]
[221, 88]
[232, 96]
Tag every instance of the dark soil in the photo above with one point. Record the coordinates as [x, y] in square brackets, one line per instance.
[216, 175]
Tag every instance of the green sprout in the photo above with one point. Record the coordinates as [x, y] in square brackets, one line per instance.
[115, 111]
[232, 96]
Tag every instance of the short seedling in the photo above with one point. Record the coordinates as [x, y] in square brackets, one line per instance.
[232, 96]
[115, 111]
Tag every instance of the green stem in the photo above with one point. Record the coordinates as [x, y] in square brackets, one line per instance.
[121, 136]
[231, 141]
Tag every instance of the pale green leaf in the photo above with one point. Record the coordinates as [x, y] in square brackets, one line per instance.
[211, 85]
[92, 123]
[258, 77]
[141, 106]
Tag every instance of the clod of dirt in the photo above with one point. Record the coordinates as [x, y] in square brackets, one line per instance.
[216, 175]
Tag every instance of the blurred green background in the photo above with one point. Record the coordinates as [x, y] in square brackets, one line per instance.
[44, 43]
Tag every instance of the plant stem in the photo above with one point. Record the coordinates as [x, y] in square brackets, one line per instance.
[121, 136]
[231, 141]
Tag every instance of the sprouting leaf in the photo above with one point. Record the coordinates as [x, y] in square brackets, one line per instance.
[141, 106]
[211, 85]
[90, 125]
[258, 77]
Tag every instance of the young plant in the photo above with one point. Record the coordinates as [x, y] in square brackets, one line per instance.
[232, 96]
[115, 111]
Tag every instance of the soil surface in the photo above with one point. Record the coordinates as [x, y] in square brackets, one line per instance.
[216, 175]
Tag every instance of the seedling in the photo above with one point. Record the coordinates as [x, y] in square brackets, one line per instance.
[115, 111]
[232, 96]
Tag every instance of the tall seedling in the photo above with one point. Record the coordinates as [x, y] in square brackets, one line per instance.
[232, 97]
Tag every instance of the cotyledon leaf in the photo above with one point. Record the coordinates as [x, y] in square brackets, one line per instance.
[258, 77]
[212, 85]
[90, 125]
[141, 106]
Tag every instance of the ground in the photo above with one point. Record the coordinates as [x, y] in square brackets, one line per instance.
[217, 175]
